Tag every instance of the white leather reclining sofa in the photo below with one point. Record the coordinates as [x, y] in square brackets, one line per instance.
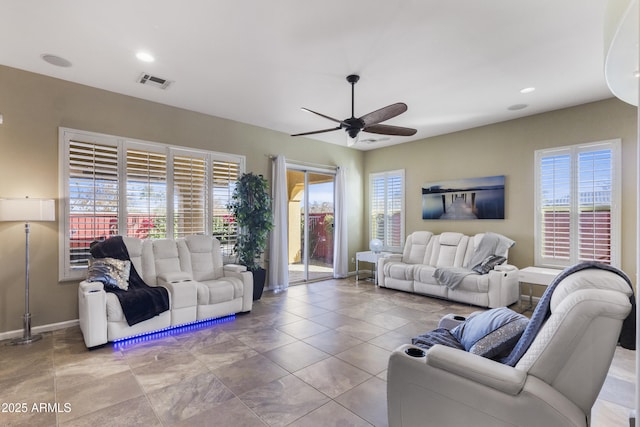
[191, 268]
[424, 252]
[554, 383]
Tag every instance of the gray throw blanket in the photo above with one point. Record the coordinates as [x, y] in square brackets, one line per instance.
[438, 336]
[491, 244]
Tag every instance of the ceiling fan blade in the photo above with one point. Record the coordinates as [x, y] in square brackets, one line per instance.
[389, 130]
[317, 131]
[384, 113]
[322, 115]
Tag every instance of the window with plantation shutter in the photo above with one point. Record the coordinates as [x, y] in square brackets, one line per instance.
[226, 173]
[189, 195]
[93, 197]
[578, 204]
[386, 196]
[115, 186]
[146, 193]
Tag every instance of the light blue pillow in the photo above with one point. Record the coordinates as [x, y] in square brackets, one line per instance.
[492, 333]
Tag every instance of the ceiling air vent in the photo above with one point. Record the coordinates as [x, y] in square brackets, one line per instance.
[159, 82]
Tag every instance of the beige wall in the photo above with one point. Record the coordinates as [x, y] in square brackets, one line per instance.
[34, 106]
[508, 149]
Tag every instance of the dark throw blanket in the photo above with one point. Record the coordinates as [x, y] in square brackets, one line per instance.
[140, 302]
[542, 312]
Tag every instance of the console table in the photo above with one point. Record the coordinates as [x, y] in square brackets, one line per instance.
[370, 257]
[536, 276]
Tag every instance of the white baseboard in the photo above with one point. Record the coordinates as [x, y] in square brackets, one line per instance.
[39, 329]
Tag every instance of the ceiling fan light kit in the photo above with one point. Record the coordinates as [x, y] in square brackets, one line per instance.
[367, 123]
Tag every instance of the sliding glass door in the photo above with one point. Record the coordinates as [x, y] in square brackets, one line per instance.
[311, 219]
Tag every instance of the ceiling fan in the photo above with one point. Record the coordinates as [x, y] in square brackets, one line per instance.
[367, 123]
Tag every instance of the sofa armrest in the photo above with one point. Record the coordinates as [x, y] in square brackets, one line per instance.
[449, 387]
[392, 258]
[86, 286]
[505, 267]
[467, 366]
[504, 286]
[240, 271]
[234, 268]
[477, 369]
[92, 313]
[381, 263]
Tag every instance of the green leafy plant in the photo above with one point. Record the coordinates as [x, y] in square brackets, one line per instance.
[251, 207]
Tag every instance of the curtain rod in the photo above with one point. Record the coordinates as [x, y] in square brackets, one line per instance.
[298, 162]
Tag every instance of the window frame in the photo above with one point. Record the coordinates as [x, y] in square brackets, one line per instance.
[65, 135]
[386, 175]
[574, 151]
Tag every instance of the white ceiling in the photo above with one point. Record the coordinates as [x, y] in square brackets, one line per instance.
[457, 64]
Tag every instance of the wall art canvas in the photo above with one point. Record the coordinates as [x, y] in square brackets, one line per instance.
[472, 198]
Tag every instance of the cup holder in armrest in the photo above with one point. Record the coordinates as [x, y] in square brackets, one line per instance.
[459, 318]
[415, 352]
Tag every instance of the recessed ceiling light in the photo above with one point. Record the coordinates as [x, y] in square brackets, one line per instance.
[145, 57]
[517, 107]
[527, 90]
[55, 60]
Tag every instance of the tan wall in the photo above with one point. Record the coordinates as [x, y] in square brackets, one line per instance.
[35, 106]
[508, 149]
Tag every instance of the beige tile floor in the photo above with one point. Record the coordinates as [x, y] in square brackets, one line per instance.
[315, 355]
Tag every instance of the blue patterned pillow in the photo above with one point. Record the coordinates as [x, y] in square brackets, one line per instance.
[492, 333]
[111, 272]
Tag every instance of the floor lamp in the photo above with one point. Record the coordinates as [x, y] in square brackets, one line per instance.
[27, 210]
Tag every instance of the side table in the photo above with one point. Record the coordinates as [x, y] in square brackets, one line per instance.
[370, 257]
[536, 276]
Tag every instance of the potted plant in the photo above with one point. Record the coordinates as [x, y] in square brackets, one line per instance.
[251, 207]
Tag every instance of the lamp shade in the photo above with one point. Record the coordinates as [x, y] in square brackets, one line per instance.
[27, 209]
[375, 245]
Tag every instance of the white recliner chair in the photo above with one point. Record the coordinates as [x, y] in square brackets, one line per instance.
[554, 383]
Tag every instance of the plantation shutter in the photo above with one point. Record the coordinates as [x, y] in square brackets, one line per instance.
[594, 220]
[578, 204]
[93, 199]
[394, 211]
[387, 209]
[225, 175]
[189, 195]
[378, 185]
[146, 193]
[117, 186]
[555, 196]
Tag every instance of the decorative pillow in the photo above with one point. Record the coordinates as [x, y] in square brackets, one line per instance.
[488, 264]
[491, 334]
[111, 272]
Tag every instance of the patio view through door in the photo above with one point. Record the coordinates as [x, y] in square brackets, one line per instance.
[311, 219]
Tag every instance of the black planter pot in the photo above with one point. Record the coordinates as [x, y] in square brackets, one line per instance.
[259, 278]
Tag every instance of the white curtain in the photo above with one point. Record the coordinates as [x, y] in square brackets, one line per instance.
[340, 249]
[278, 243]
